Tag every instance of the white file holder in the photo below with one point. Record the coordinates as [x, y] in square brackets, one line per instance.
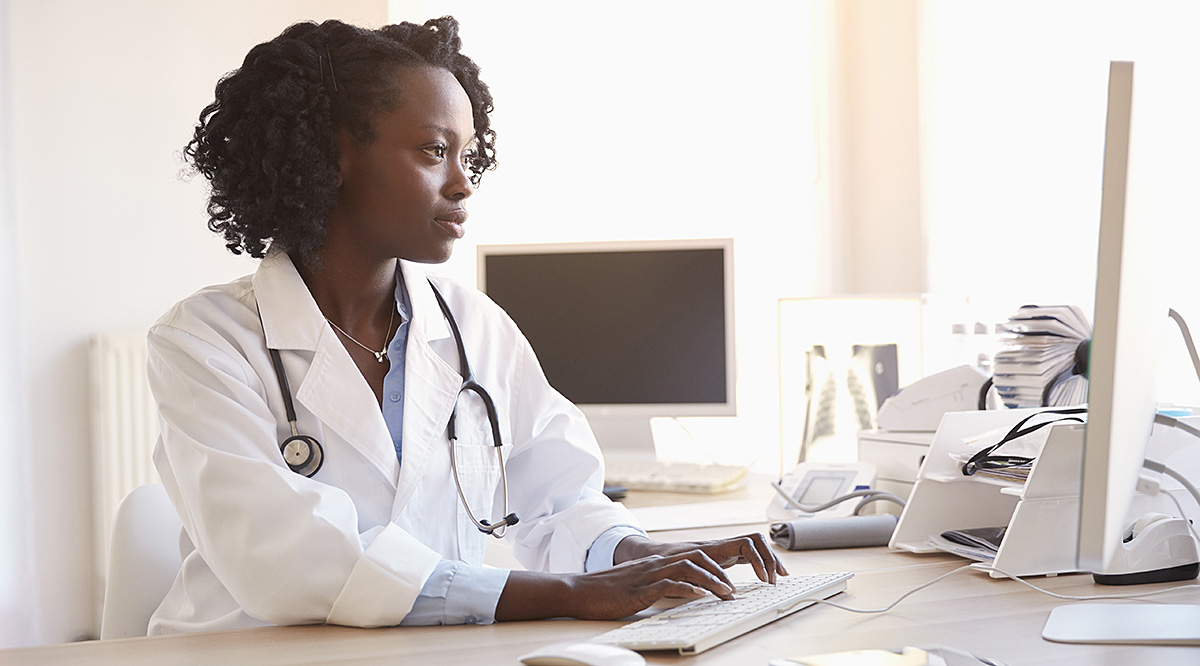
[1041, 514]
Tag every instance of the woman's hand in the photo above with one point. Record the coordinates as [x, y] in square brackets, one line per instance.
[646, 572]
[634, 585]
[749, 549]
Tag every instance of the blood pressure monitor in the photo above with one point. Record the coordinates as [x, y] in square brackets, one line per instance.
[814, 483]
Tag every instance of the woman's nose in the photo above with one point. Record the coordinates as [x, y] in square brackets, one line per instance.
[458, 185]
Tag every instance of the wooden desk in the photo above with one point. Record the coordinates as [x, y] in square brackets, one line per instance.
[996, 618]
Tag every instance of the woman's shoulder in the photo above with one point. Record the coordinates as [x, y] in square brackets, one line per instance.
[218, 311]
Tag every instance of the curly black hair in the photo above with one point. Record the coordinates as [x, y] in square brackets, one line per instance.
[267, 144]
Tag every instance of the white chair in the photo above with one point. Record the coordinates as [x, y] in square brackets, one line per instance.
[143, 561]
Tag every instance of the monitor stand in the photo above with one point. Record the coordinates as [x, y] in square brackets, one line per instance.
[1124, 623]
[1165, 548]
[624, 437]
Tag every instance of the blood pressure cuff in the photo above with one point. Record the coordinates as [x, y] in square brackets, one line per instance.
[821, 533]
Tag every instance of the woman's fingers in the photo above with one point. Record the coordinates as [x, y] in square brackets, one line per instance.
[667, 588]
[750, 555]
[697, 568]
[758, 553]
[677, 570]
[754, 550]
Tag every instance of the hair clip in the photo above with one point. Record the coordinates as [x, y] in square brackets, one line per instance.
[332, 77]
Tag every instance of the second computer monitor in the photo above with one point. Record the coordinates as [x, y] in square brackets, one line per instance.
[625, 330]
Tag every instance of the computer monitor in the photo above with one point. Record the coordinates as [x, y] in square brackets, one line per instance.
[1129, 322]
[625, 330]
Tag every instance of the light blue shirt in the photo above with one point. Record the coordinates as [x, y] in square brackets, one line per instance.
[460, 593]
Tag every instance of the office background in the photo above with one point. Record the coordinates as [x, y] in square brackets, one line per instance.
[849, 147]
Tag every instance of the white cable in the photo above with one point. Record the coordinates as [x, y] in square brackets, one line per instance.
[878, 496]
[897, 601]
[1155, 466]
[1093, 597]
[868, 494]
[1190, 524]
[1187, 339]
[1163, 419]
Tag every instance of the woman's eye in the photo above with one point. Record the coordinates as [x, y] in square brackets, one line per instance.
[438, 151]
[470, 158]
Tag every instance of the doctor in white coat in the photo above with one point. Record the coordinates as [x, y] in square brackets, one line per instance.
[343, 158]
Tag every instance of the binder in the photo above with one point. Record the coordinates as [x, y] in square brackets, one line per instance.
[1043, 361]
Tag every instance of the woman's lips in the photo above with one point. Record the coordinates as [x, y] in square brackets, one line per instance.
[452, 222]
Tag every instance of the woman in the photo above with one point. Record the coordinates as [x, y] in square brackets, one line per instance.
[343, 157]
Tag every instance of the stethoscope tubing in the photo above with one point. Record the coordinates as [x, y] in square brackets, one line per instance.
[471, 384]
[304, 455]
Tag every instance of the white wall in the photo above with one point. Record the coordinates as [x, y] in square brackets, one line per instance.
[1013, 112]
[637, 120]
[873, 154]
[103, 95]
[17, 598]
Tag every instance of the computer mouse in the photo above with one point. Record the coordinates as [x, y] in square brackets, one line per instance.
[582, 654]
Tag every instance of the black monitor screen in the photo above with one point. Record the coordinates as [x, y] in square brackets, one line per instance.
[621, 327]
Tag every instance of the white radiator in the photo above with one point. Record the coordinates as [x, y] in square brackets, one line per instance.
[124, 422]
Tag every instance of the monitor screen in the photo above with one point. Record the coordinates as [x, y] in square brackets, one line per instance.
[626, 331]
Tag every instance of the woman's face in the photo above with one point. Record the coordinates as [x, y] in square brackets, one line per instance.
[402, 194]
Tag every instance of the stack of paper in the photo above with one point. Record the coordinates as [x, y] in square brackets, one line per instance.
[1039, 352]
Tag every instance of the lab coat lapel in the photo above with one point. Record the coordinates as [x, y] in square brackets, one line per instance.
[332, 388]
[430, 383]
[336, 393]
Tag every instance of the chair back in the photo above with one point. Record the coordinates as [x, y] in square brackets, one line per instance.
[142, 563]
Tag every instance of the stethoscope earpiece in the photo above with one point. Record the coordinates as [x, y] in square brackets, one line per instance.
[303, 454]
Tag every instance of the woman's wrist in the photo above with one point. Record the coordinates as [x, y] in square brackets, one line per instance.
[530, 595]
[633, 547]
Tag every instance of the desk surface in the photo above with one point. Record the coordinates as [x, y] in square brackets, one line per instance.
[997, 618]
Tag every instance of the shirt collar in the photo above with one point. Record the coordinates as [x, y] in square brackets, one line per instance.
[292, 320]
[403, 306]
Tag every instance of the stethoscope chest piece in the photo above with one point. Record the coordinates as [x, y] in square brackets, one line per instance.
[302, 454]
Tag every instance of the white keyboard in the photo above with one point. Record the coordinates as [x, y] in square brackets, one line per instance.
[672, 476]
[708, 621]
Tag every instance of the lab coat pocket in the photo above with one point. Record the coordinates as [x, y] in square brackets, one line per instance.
[479, 476]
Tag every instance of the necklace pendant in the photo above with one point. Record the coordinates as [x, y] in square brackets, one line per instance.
[380, 355]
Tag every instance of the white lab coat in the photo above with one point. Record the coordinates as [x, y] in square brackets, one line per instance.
[354, 544]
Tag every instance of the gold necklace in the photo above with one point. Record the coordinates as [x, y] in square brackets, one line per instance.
[382, 353]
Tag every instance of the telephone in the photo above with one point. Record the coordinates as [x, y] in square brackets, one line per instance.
[815, 483]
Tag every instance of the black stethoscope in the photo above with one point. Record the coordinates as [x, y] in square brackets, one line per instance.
[304, 455]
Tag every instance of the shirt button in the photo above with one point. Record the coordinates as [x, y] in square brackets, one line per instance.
[395, 397]
[470, 619]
